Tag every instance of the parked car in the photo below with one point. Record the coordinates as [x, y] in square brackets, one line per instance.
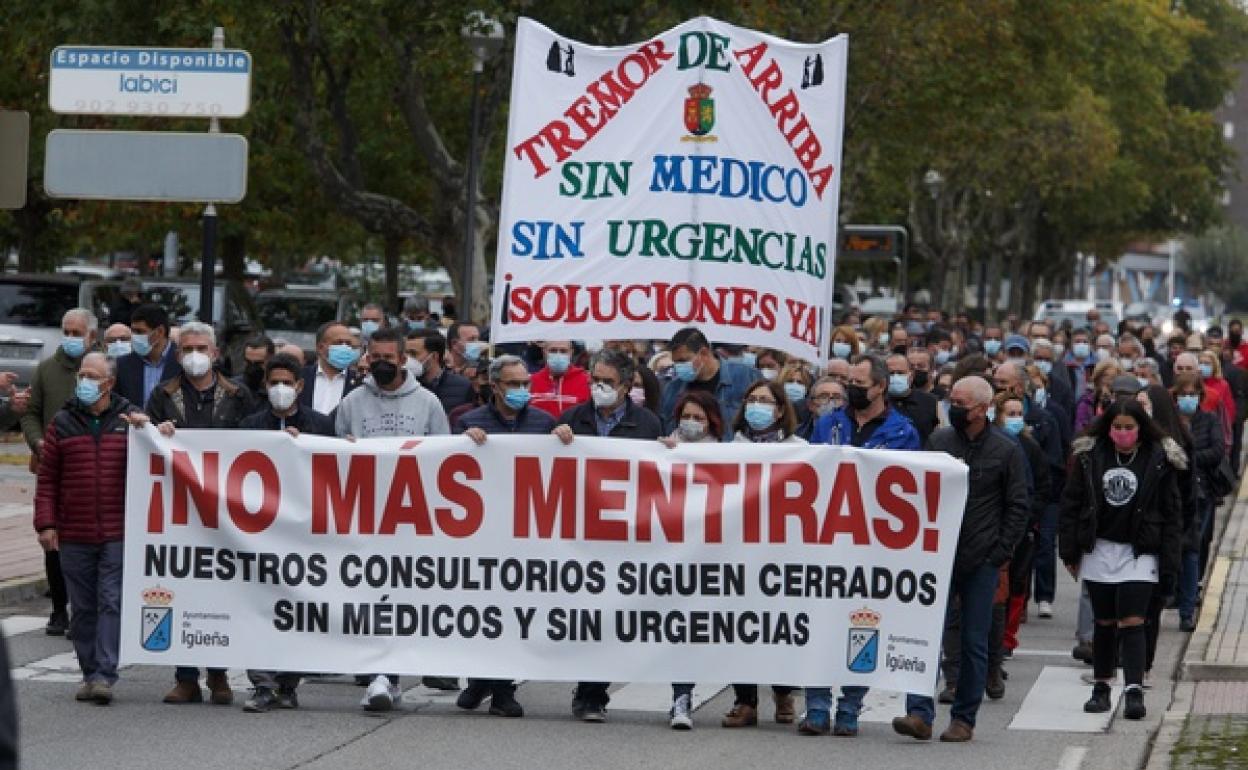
[295, 314]
[31, 308]
[235, 318]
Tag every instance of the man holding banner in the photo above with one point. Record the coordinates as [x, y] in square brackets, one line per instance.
[996, 516]
[508, 412]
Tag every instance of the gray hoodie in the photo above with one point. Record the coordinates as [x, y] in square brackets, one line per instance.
[368, 411]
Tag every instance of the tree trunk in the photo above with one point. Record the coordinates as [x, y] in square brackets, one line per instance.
[390, 255]
[992, 291]
[1016, 283]
[952, 298]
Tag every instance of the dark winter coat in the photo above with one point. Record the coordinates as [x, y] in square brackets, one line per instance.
[81, 489]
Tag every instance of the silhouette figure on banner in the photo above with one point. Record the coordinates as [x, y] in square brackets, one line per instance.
[555, 61]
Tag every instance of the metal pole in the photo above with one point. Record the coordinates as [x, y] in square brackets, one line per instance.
[208, 259]
[1173, 244]
[470, 210]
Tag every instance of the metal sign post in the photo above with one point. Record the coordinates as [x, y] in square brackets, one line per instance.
[14, 149]
[208, 259]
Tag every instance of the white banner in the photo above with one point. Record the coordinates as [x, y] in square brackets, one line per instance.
[605, 560]
[693, 179]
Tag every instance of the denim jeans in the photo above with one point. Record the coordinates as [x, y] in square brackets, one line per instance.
[1045, 589]
[1191, 568]
[93, 579]
[975, 591]
[848, 706]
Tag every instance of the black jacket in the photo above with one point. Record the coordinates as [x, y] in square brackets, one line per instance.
[304, 420]
[1047, 434]
[997, 509]
[1237, 379]
[130, 368]
[309, 384]
[638, 421]
[231, 403]
[453, 390]
[528, 420]
[1156, 511]
[1208, 448]
[1041, 482]
[920, 409]
[1062, 391]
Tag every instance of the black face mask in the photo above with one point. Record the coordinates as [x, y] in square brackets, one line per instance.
[900, 350]
[939, 393]
[920, 379]
[1235, 338]
[858, 397]
[959, 418]
[253, 375]
[1149, 347]
[383, 372]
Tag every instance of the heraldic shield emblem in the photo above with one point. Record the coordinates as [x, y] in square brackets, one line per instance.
[156, 630]
[699, 110]
[863, 650]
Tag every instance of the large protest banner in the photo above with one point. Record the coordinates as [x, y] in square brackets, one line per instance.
[602, 560]
[691, 179]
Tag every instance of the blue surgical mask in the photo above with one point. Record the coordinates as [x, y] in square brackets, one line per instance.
[898, 384]
[87, 391]
[841, 349]
[342, 356]
[118, 349]
[74, 347]
[368, 327]
[942, 357]
[749, 358]
[795, 391]
[684, 371]
[1045, 366]
[1188, 404]
[884, 340]
[760, 416]
[1014, 425]
[1206, 370]
[991, 415]
[1081, 349]
[473, 350]
[141, 344]
[992, 347]
[558, 362]
[517, 398]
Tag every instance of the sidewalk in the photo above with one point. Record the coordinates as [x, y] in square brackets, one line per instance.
[21, 559]
[1206, 726]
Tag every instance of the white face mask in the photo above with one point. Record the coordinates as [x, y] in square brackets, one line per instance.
[691, 430]
[415, 367]
[604, 395]
[282, 396]
[196, 364]
[769, 374]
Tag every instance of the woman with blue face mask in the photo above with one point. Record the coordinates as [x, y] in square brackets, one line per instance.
[845, 344]
[796, 380]
[1207, 450]
[1215, 383]
[766, 417]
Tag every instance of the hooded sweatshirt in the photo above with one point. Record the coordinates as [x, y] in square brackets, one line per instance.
[369, 412]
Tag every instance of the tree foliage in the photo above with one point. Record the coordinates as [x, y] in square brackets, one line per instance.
[1058, 127]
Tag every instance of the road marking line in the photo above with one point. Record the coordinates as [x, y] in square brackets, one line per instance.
[1042, 653]
[657, 697]
[1072, 758]
[21, 624]
[1055, 703]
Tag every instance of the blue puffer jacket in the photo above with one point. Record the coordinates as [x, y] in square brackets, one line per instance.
[837, 429]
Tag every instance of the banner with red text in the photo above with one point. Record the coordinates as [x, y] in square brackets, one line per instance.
[693, 179]
[604, 560]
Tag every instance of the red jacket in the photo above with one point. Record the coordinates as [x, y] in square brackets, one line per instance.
[557, 396]
[81, 491]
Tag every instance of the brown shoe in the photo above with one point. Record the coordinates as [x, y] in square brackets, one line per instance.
[185, 692]
[740, 716]
[911, 725]
[219, 686]
[785, 713]
[958, 732]
[85, 692]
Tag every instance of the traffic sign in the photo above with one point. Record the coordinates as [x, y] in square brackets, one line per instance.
[172, 82]
[146, 166]
[14, 149]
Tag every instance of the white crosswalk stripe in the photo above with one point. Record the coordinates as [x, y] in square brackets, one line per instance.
[657, 697]
[21, 624]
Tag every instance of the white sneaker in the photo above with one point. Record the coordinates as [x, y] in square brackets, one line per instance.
[381, 695]
[1044, 609]
[681, 718]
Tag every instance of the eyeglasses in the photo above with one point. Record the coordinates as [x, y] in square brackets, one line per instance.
[768, 400]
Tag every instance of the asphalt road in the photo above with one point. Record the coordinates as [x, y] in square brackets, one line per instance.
[331, 731]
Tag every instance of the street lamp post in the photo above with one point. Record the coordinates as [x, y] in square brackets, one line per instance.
[484, 36]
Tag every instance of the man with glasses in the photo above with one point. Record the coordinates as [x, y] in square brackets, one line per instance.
[610, 413]
[508, 411]
[868, 422]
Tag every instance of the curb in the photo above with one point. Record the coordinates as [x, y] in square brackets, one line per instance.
[23, 589]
